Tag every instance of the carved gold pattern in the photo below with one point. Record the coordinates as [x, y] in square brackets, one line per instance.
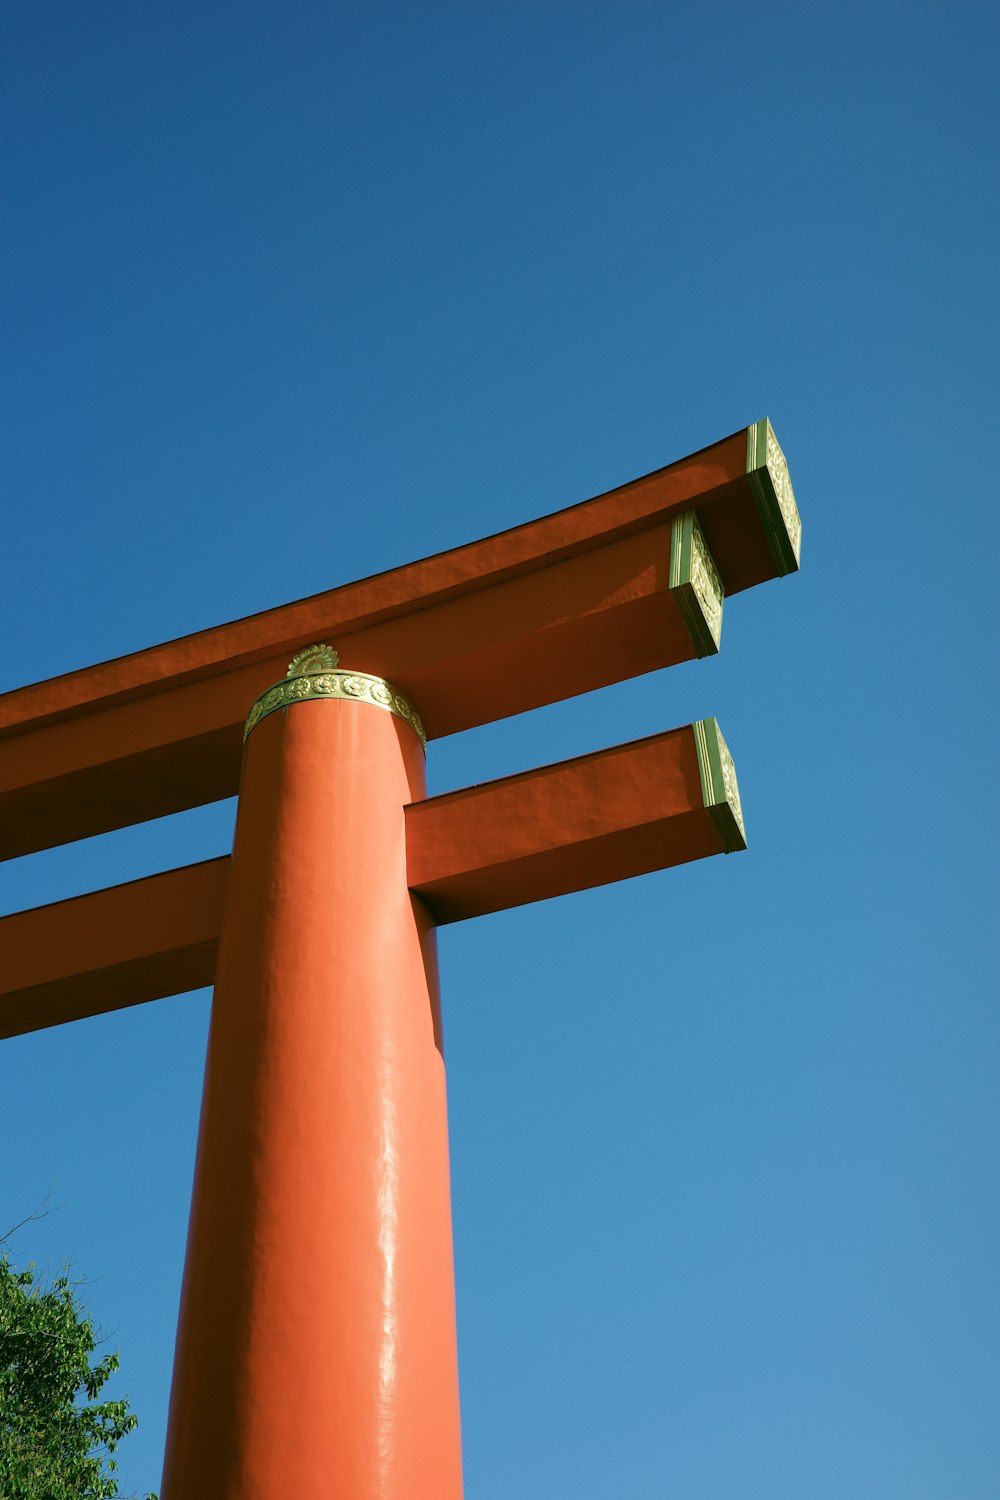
[695, 584]
[778, 470]
[313, 659]
[771, 486]
[720, 792]
[319, 682]
[729, 781]
[706, 583]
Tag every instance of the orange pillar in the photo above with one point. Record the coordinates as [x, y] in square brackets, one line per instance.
[316, 1350]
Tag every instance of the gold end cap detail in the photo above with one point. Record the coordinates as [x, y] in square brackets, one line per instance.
[771, 485]
[695, 584]
[720, 793]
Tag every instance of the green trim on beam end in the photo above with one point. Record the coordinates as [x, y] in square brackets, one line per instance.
[718, 785]
[695, 584]
[767, 472]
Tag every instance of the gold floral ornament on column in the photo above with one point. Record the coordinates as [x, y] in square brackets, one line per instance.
[312, 660]
[314, 672]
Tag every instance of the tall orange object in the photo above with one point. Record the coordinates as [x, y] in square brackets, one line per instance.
[316, 1352]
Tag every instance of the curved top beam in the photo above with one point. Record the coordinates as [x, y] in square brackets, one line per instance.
[558, 606]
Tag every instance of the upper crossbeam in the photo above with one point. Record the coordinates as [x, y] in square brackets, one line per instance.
[556, 607]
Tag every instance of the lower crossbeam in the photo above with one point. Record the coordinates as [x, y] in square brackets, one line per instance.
[112, 948]
[585, 822]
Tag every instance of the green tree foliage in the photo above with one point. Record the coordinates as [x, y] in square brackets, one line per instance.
[56, 1437]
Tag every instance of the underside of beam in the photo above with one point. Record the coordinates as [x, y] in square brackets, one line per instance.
[561, 828]
[560, 606]
[111, 948]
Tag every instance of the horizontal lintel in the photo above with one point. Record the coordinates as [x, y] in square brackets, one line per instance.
[585, 822]
[559, 606]
[568, 827]
[113, 948]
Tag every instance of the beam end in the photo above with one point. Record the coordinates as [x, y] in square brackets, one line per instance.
[718, 785]
[696, 585]
[767, 475]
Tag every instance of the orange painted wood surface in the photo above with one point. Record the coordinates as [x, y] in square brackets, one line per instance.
[316, 1349]
[111, 948]
[556, 607]
[561, 828]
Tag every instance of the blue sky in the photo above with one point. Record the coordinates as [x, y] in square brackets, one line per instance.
[295, 294]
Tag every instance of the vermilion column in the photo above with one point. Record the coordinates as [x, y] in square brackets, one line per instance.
[316, 1351]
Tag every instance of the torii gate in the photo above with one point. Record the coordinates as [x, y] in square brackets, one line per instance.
[316, 1350]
